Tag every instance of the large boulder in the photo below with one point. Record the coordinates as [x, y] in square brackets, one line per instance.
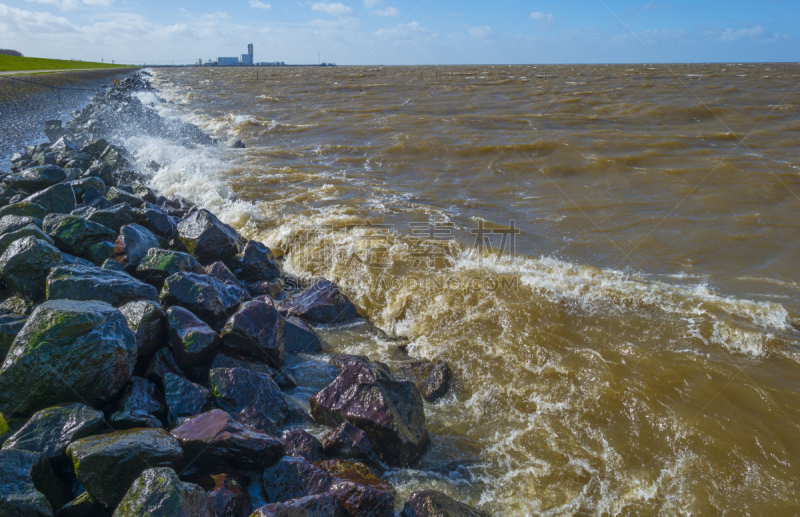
[321, 303]
[184, 398]
[360, 492]
[299, 442]
[139, 406]
[391, 412]
[10, 326]
[221, 272]
[93, 283]
[106, 465]
[208, 238]
[58, 199]
[300, 337]
[75, 234]
[28, 485]
[158, 492]
[118, 196]
[152, 218]
[132, 245]
[294, 477]
[322, 505]
[24, 266]
[82, 185]
[35, 179]
[430, 503]
[24, 210]
[30, 230]
[12, 223]
[258, 264]
[216, 441]
[252, 398]
[68, 351]
[160, 264]
[148, 323]
[192, 340]
[208, 298]
[432, 378]
[256, 331]
[223, 360]
[349, 442]
[114, 217]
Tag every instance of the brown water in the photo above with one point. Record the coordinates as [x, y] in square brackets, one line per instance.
[632, 351]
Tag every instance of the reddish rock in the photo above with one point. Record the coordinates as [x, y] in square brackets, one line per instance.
[229, 498]
[252, 398]
[324, 505]
[359, 492]
[321, 303]
[294, 477]
[432, 378]
[299, 442]
[300, 337]
[349, 442]
[256, 331]
[431, 503]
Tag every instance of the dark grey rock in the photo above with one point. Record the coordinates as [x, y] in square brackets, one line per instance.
[148, 323]
[26, 231]
[192, 340]
[58, 199]
[24, 210]
[24, 266]
[321, 303]
[221, 272]
[119, 196]
[256, 331]
[207, 238]
[35, 179]
[75, 235]
[258, 264]
[299, 337]
[139, 406]
[299, 442]
[132, 245]
[208, 298]
[159, 493]
[93, 283]
[430, 503]
[251, 398]
[184, 398]
[160, 264]
[432, 378]
[114, 217]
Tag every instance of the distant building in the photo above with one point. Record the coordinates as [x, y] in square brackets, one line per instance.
[227, 61]
[244, 59]
[247, 59]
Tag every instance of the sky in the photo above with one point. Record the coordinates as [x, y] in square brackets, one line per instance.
[399, 32]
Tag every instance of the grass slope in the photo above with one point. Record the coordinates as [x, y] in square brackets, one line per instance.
[14, 63]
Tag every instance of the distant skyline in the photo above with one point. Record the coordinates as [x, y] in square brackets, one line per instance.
[399, 32]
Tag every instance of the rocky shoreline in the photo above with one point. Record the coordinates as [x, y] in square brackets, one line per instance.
[144, 344]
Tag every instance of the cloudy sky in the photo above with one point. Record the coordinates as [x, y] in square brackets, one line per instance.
[353, 32]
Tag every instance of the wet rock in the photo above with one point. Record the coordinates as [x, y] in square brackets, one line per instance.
[256, 331]
[229, 498]
[160, 264]
[106, 465]
[159, 493]
[58, 199]
[271, 289]
[292, 478]
[222, 360]
[82, 506]
[321, 303]
[16, 305]
[26, 231]
[54, 131]
[80, 186]
[12, 223]
[284, 379]
[24, 210]
[208, 238]
[6, 194]
[216, 441]
[238, 145]
[184, 398]
[349, 442]
[162, 363]
[391, 412]
[208, 298]
[115, 157]
[148, 323]
[432, 378]
[430, 503]
[99, 252]
[64, 144]
[299, 442]
[132, 245]
[360, 492]
[118, 196]
[10, 326]
[258, 264]
[155, 220]
[24, 266]
[112, 265]
[143, 191]
[299, 337]
[251, 398]
[114, 217]
[323, 505]
[94, 200]
[75, 234]
[93, 283]
[94, 146]
[221, 272]
[192, 340]
[101, 170]
[68, 351]
[28, 485]
[35, 179]
[139, 406]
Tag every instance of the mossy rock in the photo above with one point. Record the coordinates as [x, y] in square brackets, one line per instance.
[160, 493]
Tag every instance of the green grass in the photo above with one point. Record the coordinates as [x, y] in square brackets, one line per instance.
[14, 63]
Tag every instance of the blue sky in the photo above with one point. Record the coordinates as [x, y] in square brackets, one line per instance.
[354, 32]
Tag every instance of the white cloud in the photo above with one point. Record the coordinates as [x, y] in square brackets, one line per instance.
[18, 21]
[481, 32]
[99, 3]
[369, 4]
[337, 9]
[405, 31]
[732, 35]
[542, 17]
[61, 4]
[255, 4]
[389, 11]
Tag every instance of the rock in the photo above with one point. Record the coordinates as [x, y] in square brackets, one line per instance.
[106, 465]
[139, 406]
[16, 305]
[24, 266]
[93, 283]
[349, 442]
[284, 380]
[67, 351]
[162, 363]
[100, 170]
[71, 260]
[432, 378]
[58, 199]
[360, 492]
[35, 179]
[431, 503]
[112, 265]
[184, 398]
[208, 298]
[118, 196]
[192, 340]
[222, 360]
[217, 442]
[152, 218]
[238, 145]
[208, 238]
[54, 131]
[251, 398]
[221, 272]
[341, 360]
[299, 442]
[271, 289]
[321, 303]
[64, 144]
[95, 200]
[148, 323]
[24, 210]
[258, 264]
[229, 498]
[143, 191]
[82, 506]
[391, 412]
[99, 252]
[132, 245]
[159, 493]
[80, 186]
[114, 217]
[115, 157]
[159, 264]
[26, 231]
[24, 476]
[6, 194]
[300, 337]
[10, 325]
[75, 234]
[294, 477]
[256, 331]
[95, 146]
[323, 505]
[12, 223]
